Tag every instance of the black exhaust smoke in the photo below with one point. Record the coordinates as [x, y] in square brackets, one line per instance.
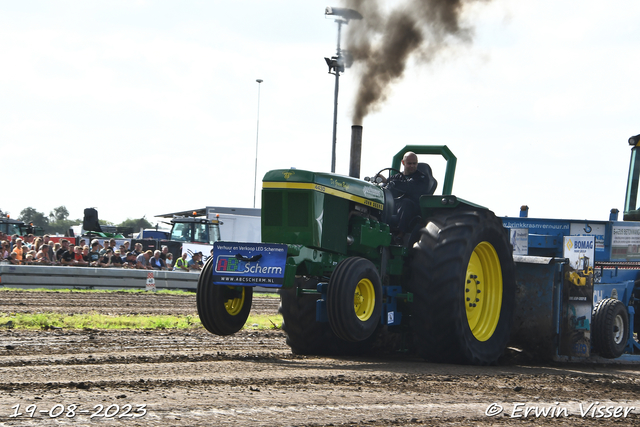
[356, 151]
[382, 43]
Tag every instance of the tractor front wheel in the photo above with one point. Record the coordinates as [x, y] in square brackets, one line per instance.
[223, 310]
[303, 333]
[463, 280]
[354, 299]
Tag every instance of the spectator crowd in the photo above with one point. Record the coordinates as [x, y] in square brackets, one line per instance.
[42, 251]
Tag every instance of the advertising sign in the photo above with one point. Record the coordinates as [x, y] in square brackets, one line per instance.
[577, 296]
[625, 243]
[520, 240]
[249, 264]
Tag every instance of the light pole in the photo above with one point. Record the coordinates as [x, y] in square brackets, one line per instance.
[255, 173]
[336, 66]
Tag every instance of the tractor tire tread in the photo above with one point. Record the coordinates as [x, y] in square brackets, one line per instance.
[306, 336]
[603, 323]
[340, 295]
[210, 300]
[439, 264]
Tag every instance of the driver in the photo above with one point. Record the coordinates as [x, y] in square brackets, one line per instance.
[407, 187]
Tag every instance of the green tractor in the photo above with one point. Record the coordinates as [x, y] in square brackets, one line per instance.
[345, 278]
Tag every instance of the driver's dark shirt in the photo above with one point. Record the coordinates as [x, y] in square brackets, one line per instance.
[412, 186]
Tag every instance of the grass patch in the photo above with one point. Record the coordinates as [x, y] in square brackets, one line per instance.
[101, 321]
[267, 295]
[95, 321]
[264, 321]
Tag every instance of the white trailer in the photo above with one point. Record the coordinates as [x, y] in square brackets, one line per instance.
[237, 224]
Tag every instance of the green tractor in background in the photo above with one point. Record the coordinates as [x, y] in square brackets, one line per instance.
[449, 287]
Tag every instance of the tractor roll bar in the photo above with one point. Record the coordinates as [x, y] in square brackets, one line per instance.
[442, 150]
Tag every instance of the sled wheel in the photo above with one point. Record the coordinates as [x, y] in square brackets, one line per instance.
[303, 333]
[610, 332]
[354, 299]
[223, 310]
[463, 280]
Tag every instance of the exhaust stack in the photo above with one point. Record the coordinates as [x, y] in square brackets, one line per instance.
[356, 151]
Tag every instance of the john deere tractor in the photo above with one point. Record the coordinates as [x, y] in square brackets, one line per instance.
[346, 276]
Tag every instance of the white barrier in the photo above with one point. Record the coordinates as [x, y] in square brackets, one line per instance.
[30, 276]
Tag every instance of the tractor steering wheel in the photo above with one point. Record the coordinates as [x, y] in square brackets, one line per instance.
[402, 177]
[397, 194]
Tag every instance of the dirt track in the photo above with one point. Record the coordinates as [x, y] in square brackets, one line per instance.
[191, 378]
[111, 303]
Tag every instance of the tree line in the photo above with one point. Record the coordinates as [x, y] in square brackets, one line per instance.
[58, 222]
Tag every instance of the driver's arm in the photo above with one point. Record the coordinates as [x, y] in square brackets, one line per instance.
[381, 178]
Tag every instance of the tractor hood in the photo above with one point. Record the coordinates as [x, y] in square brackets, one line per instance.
[336, 185]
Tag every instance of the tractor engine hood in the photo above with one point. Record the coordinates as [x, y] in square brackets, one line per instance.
[336, 185]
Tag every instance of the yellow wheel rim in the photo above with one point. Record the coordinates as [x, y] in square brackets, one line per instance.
[483, 291]
[364, 299]
[234, 305]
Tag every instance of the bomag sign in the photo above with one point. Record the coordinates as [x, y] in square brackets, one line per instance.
[580, 245]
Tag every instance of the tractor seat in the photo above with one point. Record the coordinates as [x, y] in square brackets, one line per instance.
[431, 186]
[389, 214]
[408, 237]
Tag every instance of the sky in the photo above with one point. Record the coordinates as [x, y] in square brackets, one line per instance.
[140, 108]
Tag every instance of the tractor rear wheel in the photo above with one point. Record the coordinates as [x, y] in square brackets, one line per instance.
[463, 280]
[354, 299]
[223, 310]
[303, 333]
[610, 322]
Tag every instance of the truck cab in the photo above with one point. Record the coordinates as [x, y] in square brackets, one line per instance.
[10, 227]
[194, 230]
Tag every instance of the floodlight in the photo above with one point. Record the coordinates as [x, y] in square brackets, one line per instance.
[342, 12]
